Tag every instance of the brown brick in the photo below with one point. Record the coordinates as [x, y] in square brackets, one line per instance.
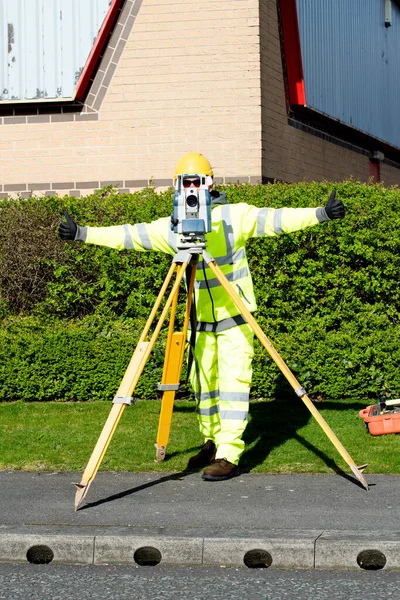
[109, 74]
[99, 98]
[136, 183]
[118, 51]
[87, 117]
[162, 182]
[115, 183]
[63, 185]
[62, 118]
[90, 99]
[39, 118]
[38, 186]
[15, 187]
[86, 184]
[14, 120]
[127, 27]
[136, 7]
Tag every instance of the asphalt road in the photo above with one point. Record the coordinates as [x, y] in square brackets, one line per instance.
[65, 582]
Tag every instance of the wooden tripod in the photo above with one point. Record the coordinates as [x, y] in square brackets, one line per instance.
[173, 365]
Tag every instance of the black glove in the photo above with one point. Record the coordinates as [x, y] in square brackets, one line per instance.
[334, 208]
[67, 231]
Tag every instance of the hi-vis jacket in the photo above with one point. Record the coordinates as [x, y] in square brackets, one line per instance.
[232, 226]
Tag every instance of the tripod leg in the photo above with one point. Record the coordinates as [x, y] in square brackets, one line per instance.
[128, 384]
[110, 425]
[301, 392]
[172, 371]
[169, 386]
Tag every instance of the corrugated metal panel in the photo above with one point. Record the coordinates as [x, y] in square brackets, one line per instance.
[351, 63]
[44, 45]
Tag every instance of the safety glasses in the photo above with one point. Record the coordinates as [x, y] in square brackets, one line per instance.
[188, 182]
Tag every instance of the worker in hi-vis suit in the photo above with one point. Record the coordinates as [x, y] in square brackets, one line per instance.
[222, 367]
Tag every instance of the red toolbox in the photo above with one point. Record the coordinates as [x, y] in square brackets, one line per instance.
[382, 418]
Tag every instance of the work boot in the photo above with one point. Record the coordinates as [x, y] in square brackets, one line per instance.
[219, 470]
[204, 457]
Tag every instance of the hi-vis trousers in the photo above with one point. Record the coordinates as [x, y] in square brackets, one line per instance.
[221, 378]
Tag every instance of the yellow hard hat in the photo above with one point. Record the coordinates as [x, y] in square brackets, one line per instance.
[193, 163]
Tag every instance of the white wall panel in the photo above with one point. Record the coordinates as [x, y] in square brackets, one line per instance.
[351, 63]
[44, 45]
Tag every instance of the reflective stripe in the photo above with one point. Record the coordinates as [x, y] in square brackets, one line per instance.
[213, 410]
[262, 215]
[215, 282]
[234, 415]
[220, 325]
[278, 221]
[228, 259]
[144, 237]
[208, 395]
[128, 243]
[234, 396]
[228, 229]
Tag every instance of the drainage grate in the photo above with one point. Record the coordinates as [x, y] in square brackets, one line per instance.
[147, 556]
[40, 555]
[371, 560]
[257, 559]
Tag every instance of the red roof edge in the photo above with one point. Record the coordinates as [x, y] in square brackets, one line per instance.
[294, 63]
[86, 75]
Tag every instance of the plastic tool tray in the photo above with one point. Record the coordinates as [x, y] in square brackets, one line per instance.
[382, 418]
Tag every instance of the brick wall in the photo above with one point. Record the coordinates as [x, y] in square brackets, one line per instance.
[389, 175]
[177, 76]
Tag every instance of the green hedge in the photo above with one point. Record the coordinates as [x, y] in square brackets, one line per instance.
[328, 296]
[78, 361]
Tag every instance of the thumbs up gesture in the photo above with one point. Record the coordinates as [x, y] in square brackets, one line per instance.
[68, 229]
[334, 208]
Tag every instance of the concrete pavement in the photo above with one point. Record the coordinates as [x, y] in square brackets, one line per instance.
[302, 521]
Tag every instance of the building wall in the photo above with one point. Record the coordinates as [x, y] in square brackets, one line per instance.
[389, 175]
[292, 152]
[177, 76]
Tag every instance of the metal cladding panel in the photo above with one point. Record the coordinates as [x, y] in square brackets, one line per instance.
[351, 63]
[44, 45]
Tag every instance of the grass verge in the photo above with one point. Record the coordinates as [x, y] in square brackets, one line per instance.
[281, 437]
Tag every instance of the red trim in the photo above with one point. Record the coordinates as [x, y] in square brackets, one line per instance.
[374, 170]
[294, 64]
[97, 49]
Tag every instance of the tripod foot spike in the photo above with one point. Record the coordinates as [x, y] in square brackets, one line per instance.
[81, 491]
[358, 473]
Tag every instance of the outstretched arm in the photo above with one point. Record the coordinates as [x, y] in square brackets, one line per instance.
[259, 222]
[155, 236]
